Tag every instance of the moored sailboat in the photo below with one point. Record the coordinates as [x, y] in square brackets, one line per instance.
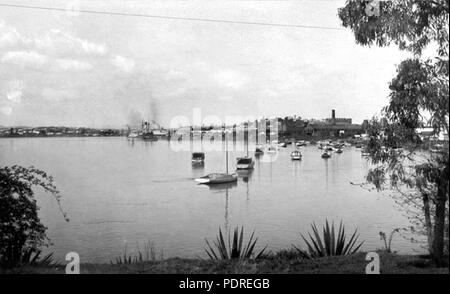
[219, 178]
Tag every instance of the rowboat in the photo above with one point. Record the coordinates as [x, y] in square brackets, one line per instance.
[296, 155]
[244, 163]
[198, 157]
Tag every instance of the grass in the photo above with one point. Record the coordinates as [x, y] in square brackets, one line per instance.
[283, 262]
[145, 255]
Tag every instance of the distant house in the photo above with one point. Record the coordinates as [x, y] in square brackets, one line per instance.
[329, 127]
[333, 127]
[427, 134]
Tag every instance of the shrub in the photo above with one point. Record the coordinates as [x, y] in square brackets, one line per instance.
[387, 243]
[330, 243]
[234, 250]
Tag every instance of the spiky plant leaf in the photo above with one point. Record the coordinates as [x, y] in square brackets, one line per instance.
[330, 243]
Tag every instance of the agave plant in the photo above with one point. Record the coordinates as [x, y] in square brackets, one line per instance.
[33, 257]
[330, 243]
[235, 249]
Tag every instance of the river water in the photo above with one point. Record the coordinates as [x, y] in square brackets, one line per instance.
[122, 194]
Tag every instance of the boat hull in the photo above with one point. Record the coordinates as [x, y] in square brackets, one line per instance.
[213, 179]
[245, 166]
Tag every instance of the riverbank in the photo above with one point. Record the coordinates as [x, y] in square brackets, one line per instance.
[281, 263]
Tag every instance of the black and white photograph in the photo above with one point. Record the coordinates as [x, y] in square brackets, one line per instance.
[238, 139]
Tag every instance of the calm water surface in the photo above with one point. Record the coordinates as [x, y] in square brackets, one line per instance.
[121, 193]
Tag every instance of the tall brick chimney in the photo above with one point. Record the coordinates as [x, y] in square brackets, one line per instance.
[333, 116]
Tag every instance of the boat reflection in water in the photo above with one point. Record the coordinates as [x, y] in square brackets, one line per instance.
[244, 174]
[198, 165]
[224, 189]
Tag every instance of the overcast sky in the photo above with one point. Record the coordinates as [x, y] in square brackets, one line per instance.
[59, 68]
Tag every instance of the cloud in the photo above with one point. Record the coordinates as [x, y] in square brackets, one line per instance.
[60, 42]
[230, 79]
[56, 94]
[8, 36]
[73, 65]
[24, 58]
[92, 48]
[123, 63]
[14, 96]
[6, 110]
[14, 91]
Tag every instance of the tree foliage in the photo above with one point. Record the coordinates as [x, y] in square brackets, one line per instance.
[410, 24]
[21, 231]
[419, 97]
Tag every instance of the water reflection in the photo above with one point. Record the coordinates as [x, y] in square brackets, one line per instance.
[224, 190]
[245, 175]
[198, 165]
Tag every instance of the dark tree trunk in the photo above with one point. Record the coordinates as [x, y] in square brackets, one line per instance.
[439, 224]
[428, 224]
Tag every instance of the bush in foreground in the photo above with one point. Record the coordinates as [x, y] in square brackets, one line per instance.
[21, 231]
[219, 250]
[331, 243]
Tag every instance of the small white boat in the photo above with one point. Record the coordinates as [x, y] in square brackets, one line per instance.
[217, 178]
[133, 135]
[326, 154]
[272, 150]
[296, 155]
[244, 163]
[329, 148]
[198, 157]
[435, 150]
[365, 152]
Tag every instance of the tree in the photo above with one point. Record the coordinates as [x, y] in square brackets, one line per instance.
[21, 231]
[419, 97]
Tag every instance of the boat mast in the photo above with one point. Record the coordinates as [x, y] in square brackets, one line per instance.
[246, 136]
[226, 152]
